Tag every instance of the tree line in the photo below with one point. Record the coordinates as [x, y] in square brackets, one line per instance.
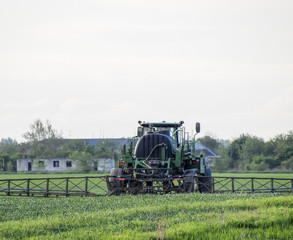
[43, 141]
[245, 153]
[251, 153]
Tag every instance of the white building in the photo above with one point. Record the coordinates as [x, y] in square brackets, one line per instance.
[60, 165]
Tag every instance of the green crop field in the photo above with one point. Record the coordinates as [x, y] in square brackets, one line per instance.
[256, 175]
[181, 216]
[173, 216]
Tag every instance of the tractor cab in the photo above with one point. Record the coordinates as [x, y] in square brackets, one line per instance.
[174, 131]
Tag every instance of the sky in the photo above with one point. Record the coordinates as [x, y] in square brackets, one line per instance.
[94, 68]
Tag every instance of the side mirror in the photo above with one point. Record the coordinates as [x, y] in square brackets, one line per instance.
[139, 131]
[197, 127]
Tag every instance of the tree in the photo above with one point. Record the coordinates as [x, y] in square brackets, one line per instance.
[236, 152]
[40, 131]
[9, 152]
[84, 160]
[209, 142]
[105, 149]
[69, 146]
[223, 163]
[44, 140]
[8, 146]
[288, 164]
[243, 149]
[281, 149]
[259, 163]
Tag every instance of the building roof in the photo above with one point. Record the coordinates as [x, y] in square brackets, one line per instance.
[118, 141]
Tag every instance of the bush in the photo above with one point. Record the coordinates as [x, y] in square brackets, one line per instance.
[288, 164]
[259, 163]
[84, 160]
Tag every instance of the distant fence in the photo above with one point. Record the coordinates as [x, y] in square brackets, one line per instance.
[71, 186]
[251, 185]
[98, 186]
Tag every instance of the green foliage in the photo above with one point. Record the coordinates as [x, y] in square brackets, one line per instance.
[46, 142]
[69, 146]
[11, 166]
[284, 155]
[181, 216]
[259, 163]
[9, 152]
[224, 162]
[40, 165]
[209, 142]
[242, 150]
[8, 146]
[84, 157]
[84, 160]
[254, 154]
[105, 149]
[43, 140]
[288, 164]
[40, 131]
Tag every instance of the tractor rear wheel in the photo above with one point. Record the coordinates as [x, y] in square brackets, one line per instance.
[114, 184]
[115, 172]
[205, 183]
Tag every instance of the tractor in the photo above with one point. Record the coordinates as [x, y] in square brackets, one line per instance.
[161, 159]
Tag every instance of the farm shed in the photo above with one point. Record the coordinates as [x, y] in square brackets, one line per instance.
[60, 165]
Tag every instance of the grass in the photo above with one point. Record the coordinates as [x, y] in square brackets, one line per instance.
[182, 216]
[260, 175]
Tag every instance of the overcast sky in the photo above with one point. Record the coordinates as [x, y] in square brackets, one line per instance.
[94, 68]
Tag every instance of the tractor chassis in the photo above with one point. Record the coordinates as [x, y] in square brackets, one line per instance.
[128, 185]
[151, 181]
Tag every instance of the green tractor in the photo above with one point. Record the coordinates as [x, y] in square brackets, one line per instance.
[161, 159]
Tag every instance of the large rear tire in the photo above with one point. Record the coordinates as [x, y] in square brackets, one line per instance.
[115, 172]
[205, 183]
[114, 184]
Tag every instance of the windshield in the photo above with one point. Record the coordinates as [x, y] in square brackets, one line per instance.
[169, 131]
